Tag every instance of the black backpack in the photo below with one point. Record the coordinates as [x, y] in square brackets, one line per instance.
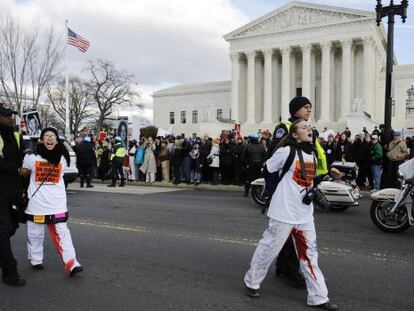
[273, 179]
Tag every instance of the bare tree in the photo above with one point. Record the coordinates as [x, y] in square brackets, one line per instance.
[80, 113]
[28, 61]
[109, 87]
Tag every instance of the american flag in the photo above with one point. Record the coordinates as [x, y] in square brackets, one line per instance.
[80, 42]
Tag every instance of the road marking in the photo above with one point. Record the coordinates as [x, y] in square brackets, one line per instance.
[336, 252]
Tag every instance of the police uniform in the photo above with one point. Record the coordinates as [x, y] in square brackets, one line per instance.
[11, 157]
[117, 157]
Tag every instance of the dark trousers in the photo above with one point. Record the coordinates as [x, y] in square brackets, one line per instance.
[177, 170]
[8, 226]
[86, 173]
[117, 169]
[287, 262]
[364, 168]
[214, 175]
[226, 174]
[206, 172]
[252, 173]
[392, 173]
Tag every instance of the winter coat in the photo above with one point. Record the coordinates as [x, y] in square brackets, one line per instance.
[376, 154]
[149, 165]
[330, 150]
[254, 153]
[344, 151]
[139, 155]
[226, 154]
[215, 155]
[12, 159]
[85, 155]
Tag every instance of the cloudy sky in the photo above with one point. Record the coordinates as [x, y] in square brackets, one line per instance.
[168, 42]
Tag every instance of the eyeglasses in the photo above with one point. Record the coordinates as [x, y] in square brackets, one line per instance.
[50, 137]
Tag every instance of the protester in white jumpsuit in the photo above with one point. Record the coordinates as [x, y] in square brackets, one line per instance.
[47, 202]
[289, 216]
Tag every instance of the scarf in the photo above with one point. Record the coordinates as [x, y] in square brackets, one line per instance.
[305, 147]
[53, 156]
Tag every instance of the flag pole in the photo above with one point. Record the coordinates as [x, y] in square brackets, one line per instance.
[67, 128]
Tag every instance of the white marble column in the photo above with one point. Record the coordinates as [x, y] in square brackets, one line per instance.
[369, 80]
[326, 82]
[268, 86]
[235, 86]
[346, 77]
[285, 82]
[306, 70]
[251, 87]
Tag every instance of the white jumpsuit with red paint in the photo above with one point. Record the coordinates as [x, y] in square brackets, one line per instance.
[289, 216]
[50, 199]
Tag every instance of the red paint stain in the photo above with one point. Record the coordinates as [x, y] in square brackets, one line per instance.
[301, 248]
[55, 238]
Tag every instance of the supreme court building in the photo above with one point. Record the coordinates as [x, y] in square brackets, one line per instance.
[334, 56]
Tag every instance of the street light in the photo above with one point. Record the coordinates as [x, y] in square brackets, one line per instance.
[390, 11]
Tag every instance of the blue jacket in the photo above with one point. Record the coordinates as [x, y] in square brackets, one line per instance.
[139, 155]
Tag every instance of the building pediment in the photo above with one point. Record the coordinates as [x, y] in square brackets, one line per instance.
[299, 15]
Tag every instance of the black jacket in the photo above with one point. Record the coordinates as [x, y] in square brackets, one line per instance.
[226, 154]
[85, 155]
[12, 160]
[254, 153]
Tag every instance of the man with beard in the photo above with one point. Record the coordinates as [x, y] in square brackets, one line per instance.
[11, 157]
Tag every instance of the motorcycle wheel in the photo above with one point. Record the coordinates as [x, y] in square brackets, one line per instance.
[257, 195]
[338, 208]
[393, 224]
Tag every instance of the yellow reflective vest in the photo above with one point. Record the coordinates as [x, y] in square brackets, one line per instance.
[16, 136]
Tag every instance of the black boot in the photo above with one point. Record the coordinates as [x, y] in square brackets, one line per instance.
[122, 183]
[14, 280]
[88, 182]
[10, 275]
[82, 181]
[113, 184]
[327, 306]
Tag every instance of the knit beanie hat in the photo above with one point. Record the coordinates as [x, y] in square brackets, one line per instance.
[298, 102]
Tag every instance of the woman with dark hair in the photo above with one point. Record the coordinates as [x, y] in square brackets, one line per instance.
[47, 202]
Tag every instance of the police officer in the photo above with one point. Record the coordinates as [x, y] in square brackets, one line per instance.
[11, 158]
[254, 156]
[117, 157]
[287, 264]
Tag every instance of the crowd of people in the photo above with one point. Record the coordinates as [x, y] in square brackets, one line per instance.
[232, 159]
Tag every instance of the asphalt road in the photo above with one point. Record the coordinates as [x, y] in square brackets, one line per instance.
[189, 250]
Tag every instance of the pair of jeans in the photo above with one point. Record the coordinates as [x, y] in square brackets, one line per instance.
[376, 175]
[195, 176]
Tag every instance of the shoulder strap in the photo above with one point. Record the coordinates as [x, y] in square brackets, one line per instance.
[394, 146]
[43, 181]
[302, 164]
[289, 161]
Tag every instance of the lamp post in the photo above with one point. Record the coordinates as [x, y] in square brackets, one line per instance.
[390, 11]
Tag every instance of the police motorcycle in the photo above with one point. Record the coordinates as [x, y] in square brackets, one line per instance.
[336, 195]
[392, 209]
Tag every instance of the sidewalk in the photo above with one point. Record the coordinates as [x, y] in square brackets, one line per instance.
[225, 188]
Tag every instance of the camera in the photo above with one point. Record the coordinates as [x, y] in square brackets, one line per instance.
[309, 196]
